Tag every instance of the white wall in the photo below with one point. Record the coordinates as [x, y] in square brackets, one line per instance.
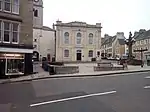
[72, 47]
[38, 21]
[45, 42]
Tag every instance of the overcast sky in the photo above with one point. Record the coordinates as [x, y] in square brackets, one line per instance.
[115, 15]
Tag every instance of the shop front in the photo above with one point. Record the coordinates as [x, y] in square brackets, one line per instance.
[11, 64]
[15, 61]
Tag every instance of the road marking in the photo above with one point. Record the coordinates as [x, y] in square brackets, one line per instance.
[147, 87]
[148, 77]
[72, 98]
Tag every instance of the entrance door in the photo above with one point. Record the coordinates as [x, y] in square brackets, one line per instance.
[78, 56]
[2, 67]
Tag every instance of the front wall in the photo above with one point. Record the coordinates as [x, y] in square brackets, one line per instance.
[72, 47]
[26, 27]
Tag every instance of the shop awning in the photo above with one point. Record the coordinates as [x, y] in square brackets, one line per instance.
[15, 50]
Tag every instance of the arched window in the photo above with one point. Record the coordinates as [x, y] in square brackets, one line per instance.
[78, 38]
[66, 38]
[90, 53]
[90, 38]
[66, 53]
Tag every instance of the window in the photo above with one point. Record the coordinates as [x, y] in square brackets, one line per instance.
[36, 13]
[66, 38]
[98, 53]
[15, 6]
[146, 41]
[0, 4]
[78, 41]
[0, 30]
[15, 29]
[90, 53]
[7, 5]
[90, 38]
[7, 32]
[66, 53]
[141, 42]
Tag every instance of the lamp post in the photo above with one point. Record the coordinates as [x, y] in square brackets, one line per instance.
[129, 42]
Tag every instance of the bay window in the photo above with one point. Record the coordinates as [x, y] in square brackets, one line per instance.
[7, 5]
[15, 32]
[7, 32]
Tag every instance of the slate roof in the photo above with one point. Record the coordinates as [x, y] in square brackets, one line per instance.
[121, 41]
[142, 35]
[108, 40]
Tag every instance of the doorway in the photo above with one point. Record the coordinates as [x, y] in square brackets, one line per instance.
[79, 55]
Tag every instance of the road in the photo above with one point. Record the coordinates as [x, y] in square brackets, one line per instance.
[117, 93]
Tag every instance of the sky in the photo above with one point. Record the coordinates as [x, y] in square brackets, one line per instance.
[114, 15]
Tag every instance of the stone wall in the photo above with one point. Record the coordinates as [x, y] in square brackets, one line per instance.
[66, 69]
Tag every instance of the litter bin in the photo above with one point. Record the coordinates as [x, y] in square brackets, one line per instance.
[51, 70]
[148, 62]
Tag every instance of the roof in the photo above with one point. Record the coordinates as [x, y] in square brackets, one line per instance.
[78, 24]
[46, 28]
[142, 35]
[121, 41]
[108, 40]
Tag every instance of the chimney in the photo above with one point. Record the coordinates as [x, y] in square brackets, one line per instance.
[98, 24]
[58, 22]
[53, 26]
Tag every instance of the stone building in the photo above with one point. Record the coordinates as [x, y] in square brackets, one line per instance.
[77, 41]
[16, 35]
[43, 36]
[142, 38]
[113, 46]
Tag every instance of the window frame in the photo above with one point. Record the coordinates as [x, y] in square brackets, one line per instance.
[15, 31]
[1, 5]
[91, 38]
[90, 53]
[36, 12]
[18, 6]
[1, 31]
[66, 38]
[4, 6]
[6, 30]
[78, 38]
[66, 53]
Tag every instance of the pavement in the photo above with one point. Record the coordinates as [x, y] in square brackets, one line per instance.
[117, 93]
[85, 70]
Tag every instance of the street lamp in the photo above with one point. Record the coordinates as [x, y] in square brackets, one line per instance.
[129, 42]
